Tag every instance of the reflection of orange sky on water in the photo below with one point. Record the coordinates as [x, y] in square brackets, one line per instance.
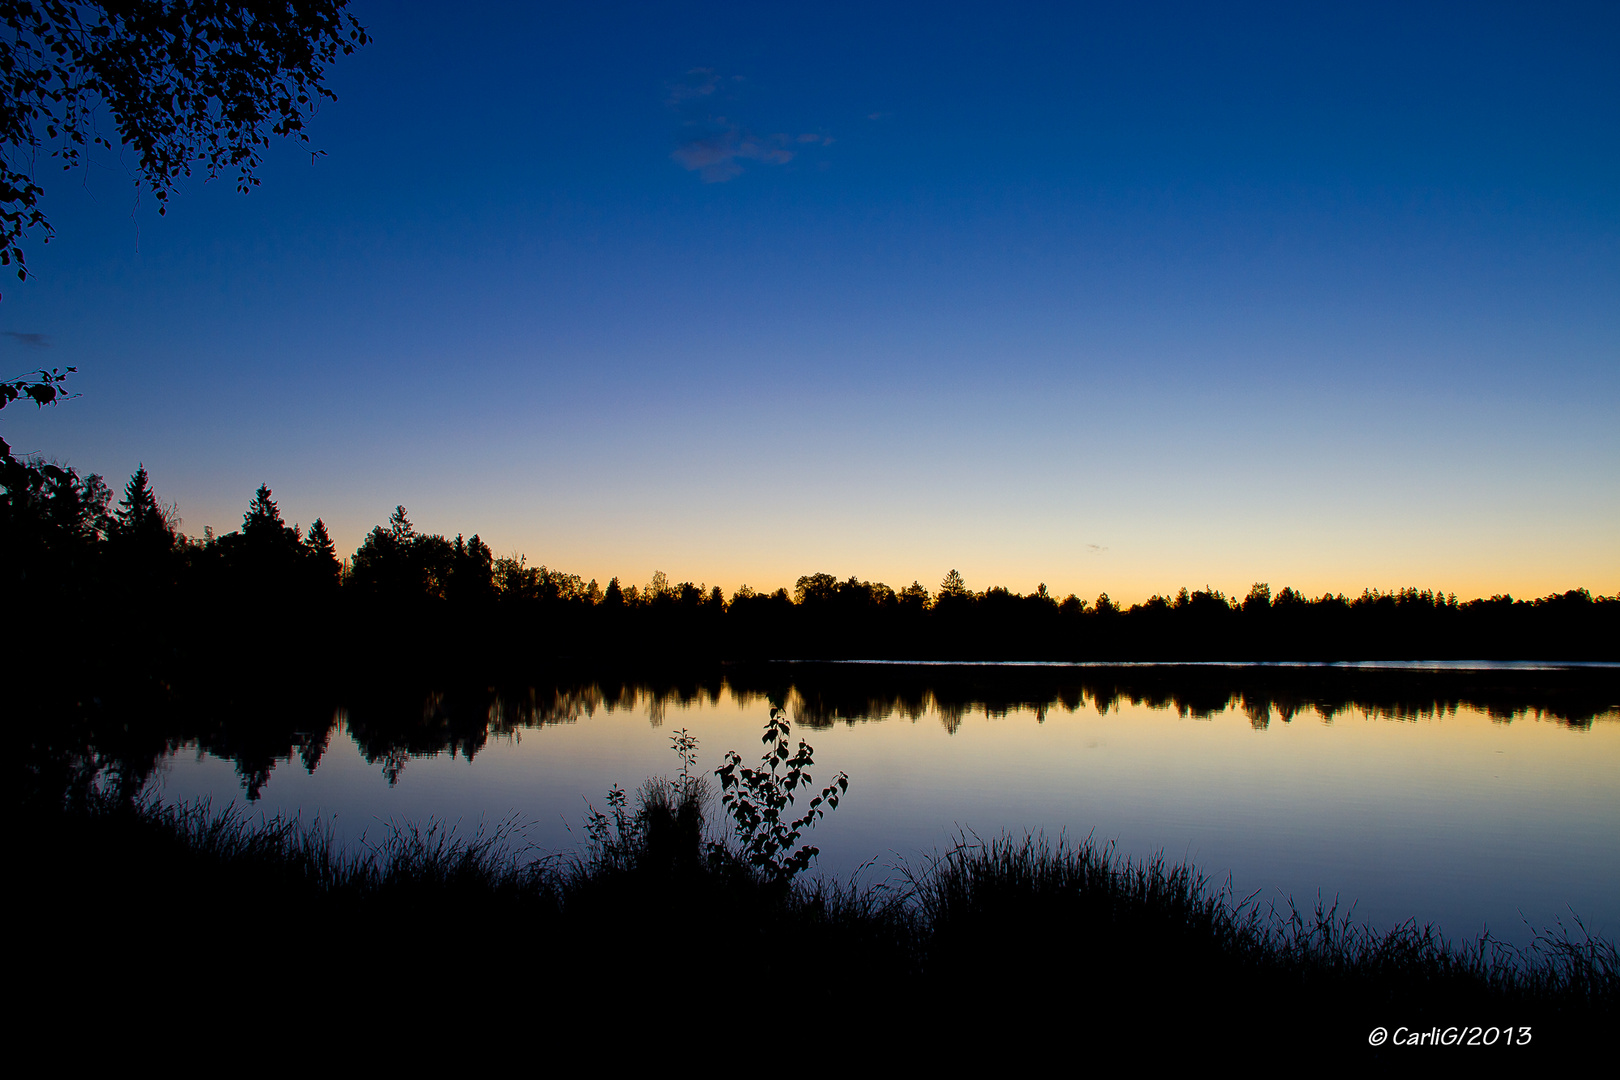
[1452, 817]
[1406, 814]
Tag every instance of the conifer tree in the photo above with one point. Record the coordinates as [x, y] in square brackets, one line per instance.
[322, 554]
[320, 543]
[139, 518]
[263, 517]
[140, 527]
[138, 506]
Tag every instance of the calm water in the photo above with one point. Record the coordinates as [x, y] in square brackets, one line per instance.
[1441, 807]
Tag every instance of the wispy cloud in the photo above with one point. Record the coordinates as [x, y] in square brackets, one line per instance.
[697, 83]
[715, 146]
[715, 156]
[32, 341]
[1095, 549]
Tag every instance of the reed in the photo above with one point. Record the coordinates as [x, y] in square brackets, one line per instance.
[1026, 929]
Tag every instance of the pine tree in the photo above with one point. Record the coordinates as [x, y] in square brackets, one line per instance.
[140, 526]
[322, 553]
[138, 508]
[139, 518]
[263, 517]
[269, 544]
[320, 543]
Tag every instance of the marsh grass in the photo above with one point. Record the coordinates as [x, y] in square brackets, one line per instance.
[985, 904]
[1019, 930]
[409, 859]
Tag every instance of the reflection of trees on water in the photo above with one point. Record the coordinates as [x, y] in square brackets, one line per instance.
[1258, 712]
[824, 695]
[682, 696]
[121, 589]
[821, 707]
[119, 747]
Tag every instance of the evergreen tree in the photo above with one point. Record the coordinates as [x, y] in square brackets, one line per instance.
[322, 554]
[472, 571]
[389, 562]
[263, 518]
[267, 545]
[139, 520]
[320, 543]
[954, 599]
[142, 540]
[914, 597]
[138, 506]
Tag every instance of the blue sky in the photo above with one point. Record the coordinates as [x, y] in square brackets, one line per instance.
[1115, 298]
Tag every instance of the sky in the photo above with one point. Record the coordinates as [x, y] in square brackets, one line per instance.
[1119, 298]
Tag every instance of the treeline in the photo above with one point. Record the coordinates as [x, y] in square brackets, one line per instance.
[119, 575]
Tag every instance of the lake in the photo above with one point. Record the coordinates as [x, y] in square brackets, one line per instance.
[1468, 796]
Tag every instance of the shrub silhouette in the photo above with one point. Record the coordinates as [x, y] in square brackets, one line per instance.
[757, 801]
[664, 835]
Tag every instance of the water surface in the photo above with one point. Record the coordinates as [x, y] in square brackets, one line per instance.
[1415, 799]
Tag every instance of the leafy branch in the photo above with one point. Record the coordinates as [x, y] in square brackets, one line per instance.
[42, 387]
[186, 81]
[758, 801]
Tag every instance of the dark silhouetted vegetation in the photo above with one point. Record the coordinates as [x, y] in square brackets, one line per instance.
[179, 82]
[1010, 931]
[122, 585]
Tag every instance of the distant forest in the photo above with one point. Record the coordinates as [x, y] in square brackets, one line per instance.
[88, 574]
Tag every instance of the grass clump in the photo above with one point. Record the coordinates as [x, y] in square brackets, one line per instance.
[1025, 933]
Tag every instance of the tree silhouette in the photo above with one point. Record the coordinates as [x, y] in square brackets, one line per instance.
[42, 387]
[914, 597]
[471, 572]
[814, 589]
[384, 564]
[265, 533]
[322, 554]
[186, 82]
[263, 516]
[319, 543]
[138, 517]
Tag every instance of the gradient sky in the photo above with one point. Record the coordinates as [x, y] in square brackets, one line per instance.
[1116, 297]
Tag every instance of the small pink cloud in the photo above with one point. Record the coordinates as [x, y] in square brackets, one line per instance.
[698, 83]
[714, 157]
[715, 146]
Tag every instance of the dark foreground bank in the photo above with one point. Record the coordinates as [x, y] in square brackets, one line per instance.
[175, 923]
